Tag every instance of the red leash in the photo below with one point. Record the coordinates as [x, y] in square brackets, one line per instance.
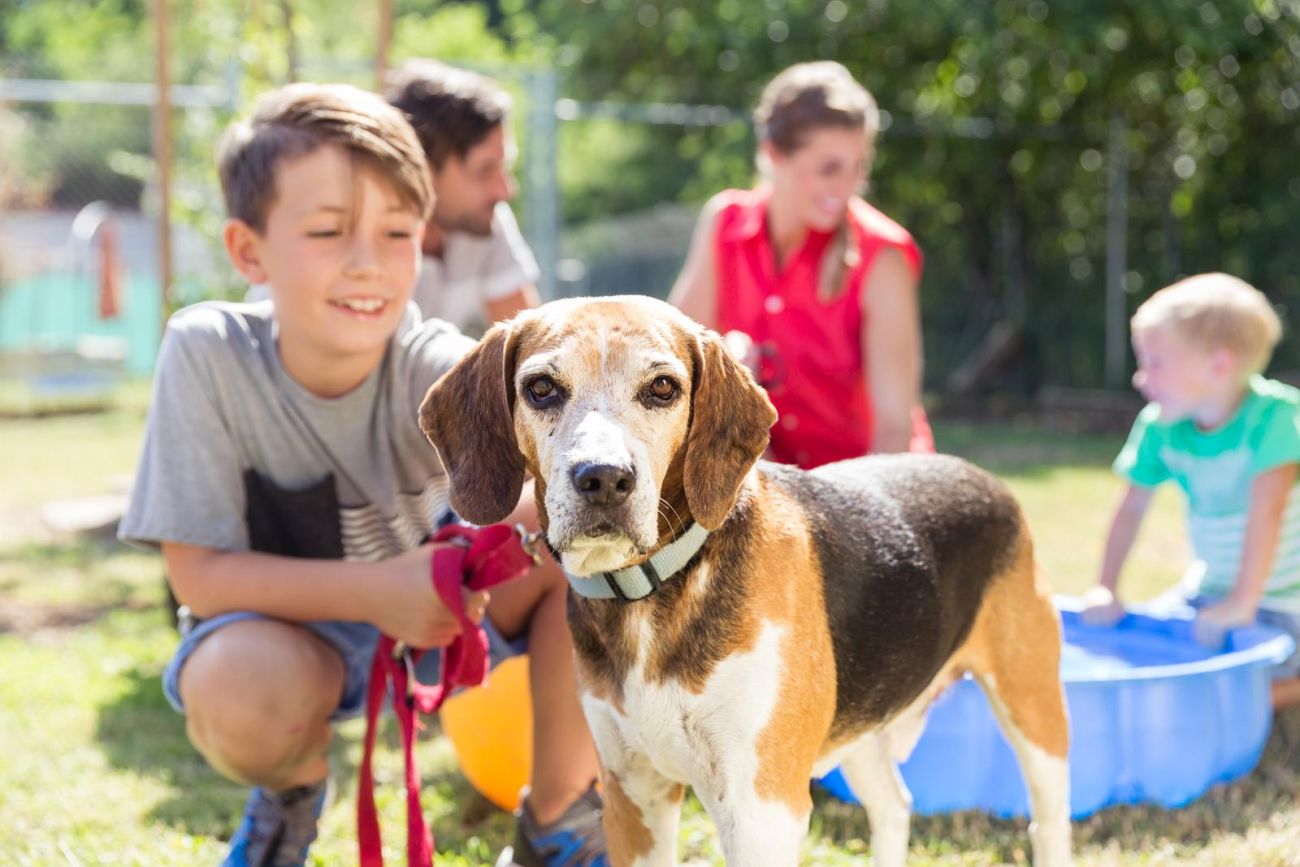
[477, 559]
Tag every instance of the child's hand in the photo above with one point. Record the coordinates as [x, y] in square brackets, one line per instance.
[411, 611]
[1213, 621]
[1101, 607]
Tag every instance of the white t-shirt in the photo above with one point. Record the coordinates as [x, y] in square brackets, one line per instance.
[473, 270]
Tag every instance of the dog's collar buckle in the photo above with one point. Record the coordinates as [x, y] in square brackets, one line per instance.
[531, 543]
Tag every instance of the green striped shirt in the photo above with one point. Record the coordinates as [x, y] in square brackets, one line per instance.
[1216, 470]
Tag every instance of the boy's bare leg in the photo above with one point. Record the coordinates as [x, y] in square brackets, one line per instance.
[564, 756]
[258, 696]
[1286, 693]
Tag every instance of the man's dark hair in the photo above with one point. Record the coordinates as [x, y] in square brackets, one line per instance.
[297, 119]
[451, 109]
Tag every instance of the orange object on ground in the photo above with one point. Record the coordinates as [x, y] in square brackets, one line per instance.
[491, 728]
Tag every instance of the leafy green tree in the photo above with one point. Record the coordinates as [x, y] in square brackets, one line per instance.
[996, 153]
[996, 156]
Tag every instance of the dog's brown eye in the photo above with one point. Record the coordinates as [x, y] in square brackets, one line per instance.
[662, 389]
[542, 391]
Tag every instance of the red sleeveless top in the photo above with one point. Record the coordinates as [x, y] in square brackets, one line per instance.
[810, 350]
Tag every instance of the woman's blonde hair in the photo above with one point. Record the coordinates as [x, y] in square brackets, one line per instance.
[1215, 311]
[807, 97]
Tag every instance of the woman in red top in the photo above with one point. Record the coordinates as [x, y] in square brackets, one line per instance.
[823, 284]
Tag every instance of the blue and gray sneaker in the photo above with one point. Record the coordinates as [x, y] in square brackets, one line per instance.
[576, 839]
[278, 827]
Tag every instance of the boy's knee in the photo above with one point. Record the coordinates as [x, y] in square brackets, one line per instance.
[258, 696]
[239, 747]
[280, 667]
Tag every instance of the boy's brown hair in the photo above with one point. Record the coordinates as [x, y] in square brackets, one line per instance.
[451, 109]
[297, 119]
[1215, 311]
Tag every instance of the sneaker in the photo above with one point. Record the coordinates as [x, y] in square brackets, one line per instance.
[576, 839]
[278, 827]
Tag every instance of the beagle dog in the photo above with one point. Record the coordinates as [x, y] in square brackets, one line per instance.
[741, 626]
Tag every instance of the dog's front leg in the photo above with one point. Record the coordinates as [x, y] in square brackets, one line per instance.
[756, 830]
[641, 806]
[642, 809]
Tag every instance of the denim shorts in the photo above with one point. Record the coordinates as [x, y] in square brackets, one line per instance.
[1289, 623]
[355, 643]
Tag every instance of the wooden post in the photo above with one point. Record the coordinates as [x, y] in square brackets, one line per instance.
[1116, 347]
[291, 39]
[162, 152]
[385, 36]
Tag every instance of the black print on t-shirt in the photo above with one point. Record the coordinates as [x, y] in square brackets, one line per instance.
[293, 523]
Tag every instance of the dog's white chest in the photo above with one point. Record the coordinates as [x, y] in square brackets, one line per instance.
[705, 739]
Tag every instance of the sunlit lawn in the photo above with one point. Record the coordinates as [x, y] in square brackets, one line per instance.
[95, 768]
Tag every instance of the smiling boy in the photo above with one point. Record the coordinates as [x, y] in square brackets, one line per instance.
[286, 480]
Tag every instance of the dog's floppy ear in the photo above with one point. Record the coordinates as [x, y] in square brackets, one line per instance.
[468, 415]
[730, 418]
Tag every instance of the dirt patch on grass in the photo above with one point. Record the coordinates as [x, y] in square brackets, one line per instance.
[30, 619]
[22, 525]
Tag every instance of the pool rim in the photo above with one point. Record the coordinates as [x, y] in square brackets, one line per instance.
[1270, 650]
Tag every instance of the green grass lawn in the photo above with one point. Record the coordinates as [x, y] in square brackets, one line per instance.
[95, 767]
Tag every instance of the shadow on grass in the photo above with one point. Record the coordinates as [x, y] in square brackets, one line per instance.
[53, 553]
[72, 582]
[1231, 809]
[140, 732]
[462, 820]
[26, 618]
[30, 560]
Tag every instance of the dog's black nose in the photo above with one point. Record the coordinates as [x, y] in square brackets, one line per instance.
[603, 484]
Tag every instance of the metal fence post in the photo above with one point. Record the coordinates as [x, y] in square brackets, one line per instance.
[162, 144]
[1116, 252]
[542, 188]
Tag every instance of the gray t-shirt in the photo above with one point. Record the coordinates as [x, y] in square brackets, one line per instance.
[238, 456]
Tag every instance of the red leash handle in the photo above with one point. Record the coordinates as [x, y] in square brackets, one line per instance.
[477, 559]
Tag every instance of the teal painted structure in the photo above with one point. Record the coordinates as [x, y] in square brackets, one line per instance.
[51, 310]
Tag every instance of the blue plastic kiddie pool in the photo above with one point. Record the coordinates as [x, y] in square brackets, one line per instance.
[1154, 717]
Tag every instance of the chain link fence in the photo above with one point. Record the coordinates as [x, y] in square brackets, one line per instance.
[1039, 242]
[1035, 255]
[1013, 324]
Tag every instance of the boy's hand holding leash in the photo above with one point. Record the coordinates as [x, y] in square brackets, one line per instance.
[462, 564]
[408, 609]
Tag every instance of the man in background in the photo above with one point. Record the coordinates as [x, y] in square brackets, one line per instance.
[477, 268]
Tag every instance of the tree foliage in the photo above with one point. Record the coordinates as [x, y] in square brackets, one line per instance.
[997, 153]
